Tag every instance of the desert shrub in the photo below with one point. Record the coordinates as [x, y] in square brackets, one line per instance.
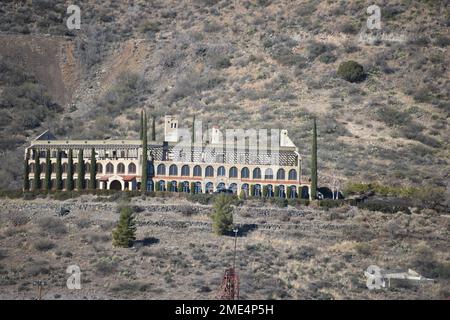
[93, 238]
[44, 245]
[351, 71]
[327, 58]
[329, 203]
[315, 49]
[106, 266]
[442, 41]
[188, 211]
[222, 215]
[52, 226]
[130, 287]
[83, 223]
[201, 198]
[17, 219]
[384, 207]
[303, 253]
[363, 248]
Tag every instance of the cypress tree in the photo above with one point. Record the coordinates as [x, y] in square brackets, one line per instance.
[48, 172]
[26, 174]
[193, 130]
[125, 232]
[93, 171]
[37, 171]
[153, 128]
[58, 171]
[141, 129]
[80, 171]
[314, 162]
[144, 177]
[70, 171]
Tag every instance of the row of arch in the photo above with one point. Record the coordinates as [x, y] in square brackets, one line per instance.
[109, 168]
[256, 190]
[222, 172]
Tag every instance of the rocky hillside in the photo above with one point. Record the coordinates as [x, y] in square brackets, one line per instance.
[260, 63]
[282, 253]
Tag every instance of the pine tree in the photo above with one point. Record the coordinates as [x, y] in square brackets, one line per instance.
[222, 215]
[144, 177]
[80, 171]
[26, 175]
[92, 170]
[48, 172]
[125, 232]
[58, 171]
[277, 191]
[69, 179]
[180, 186]
[314, 163]
[192, 188]
[37, 171]
[153, 128]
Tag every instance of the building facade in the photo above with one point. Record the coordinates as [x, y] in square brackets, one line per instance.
[202, 165]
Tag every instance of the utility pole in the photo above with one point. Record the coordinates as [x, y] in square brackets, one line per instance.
[39, 284]
[235, 242]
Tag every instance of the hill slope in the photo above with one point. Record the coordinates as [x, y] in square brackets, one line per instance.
[262, 63]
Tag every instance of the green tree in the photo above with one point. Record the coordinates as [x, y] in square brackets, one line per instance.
[141, 129]
[180, 186]
[351, 71]
[252, 190]
[58, 171]
[69, 179]
[242, 195]
[222, 215]
[125, 232]
[80, 171]
[314, 162]
[153, 128]
[48, 172]
[277, 191]
[265, 191]
[144, 177]
[192, 189]
[26, 175]
[93, 171]
[37, 171]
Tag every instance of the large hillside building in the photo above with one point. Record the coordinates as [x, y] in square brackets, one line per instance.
[212, 163]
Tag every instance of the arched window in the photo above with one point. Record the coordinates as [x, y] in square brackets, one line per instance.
[292, 174]
[233, 172]
[198, 187]
[269, 190]
[161, 170]
[221, 172]
[245, 188]
[99, 168]
[209, 172]
[109, 168]
[257, 190]
[173, 170]
[186, 187]
[245, 173]
[281, 174]
[162, 185]
[233, 187]
[197, 171]
[131, 168]
[209, 188]
[268, 174]
[120, 168]
[257, 173]
[185, 170]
